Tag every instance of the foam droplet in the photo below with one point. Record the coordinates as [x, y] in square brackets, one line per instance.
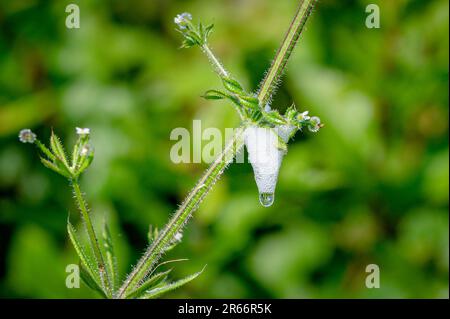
[266, 199]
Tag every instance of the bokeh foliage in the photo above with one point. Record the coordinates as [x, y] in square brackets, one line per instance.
[371, 187]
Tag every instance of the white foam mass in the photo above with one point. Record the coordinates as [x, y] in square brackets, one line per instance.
[264, 154]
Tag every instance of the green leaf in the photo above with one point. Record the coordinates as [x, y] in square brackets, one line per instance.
[201, 30]
[169, 262]
[249, 101]
[87, 278]
[58, 149]
[156, 292]
[75, 154]
[91, 270]
[274, 117]
[52, 166]
[205, 31]
[187, 44]
[214, 95]
[208, 30]
[194, 37]
[152, 233]
[291, 113]
[152, 281]
[232, 85]
[110, 260]
[45, 150]
[256, 115]
[63, 168]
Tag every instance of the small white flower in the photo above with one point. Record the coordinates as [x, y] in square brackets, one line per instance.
[303, 116]
[83, 131]
[27, 136]
[181, 19]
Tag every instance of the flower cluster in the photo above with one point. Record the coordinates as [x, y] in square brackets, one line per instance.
[193, 35]
[182, 20]
[55, 157]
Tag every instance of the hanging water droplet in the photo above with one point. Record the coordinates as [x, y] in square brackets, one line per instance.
[266, 199]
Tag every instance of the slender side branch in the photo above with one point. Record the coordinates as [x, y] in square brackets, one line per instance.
[181, 216]
[215, 62]
[221, 72]
[91, 233]
[269, 83]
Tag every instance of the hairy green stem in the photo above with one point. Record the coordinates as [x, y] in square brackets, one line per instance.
[272, 77]
[215, 62]
[218, 67]
[181, 216]
[216, 169]
[92, 236]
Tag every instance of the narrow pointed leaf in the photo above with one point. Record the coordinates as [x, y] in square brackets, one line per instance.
[249, 101]
[274, 117]
[208, 30]
[87, 278]
[110, 258]
[214, 95]
[147, 285]
[76, 153]
[58, 149]
[232, 85]
[256, 115]
[156, 292]
[51, 166]
[45, 150]
[84, 259]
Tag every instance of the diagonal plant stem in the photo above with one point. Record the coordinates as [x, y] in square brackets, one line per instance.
[92, 236]
[181, 216]
[218, 67]
[216, 169]
[268, 85]
[214, 61]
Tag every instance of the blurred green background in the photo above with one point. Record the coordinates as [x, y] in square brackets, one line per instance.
[371, 187]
